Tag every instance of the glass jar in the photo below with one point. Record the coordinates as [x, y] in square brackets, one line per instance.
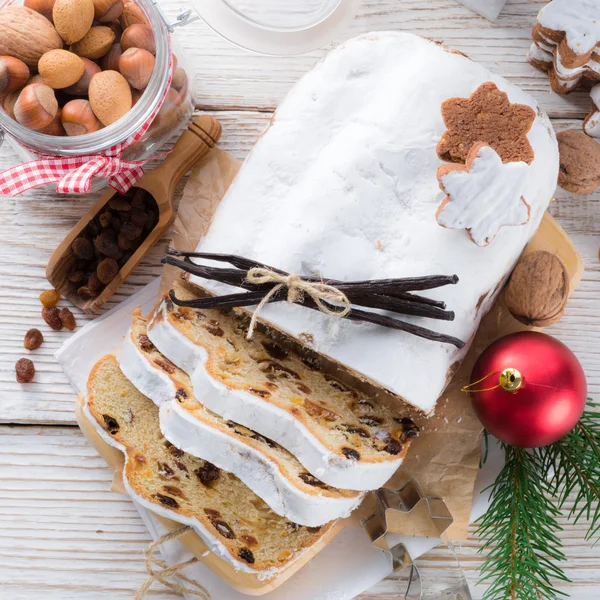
[170, 120]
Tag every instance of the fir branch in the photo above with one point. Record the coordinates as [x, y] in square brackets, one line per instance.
[575, 460]
[520, 526]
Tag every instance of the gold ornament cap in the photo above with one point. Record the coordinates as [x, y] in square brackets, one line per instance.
[511, 379]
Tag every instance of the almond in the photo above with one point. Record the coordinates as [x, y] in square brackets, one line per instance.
[538, 289]
[95, 44]
[73, 18]
[26, 35]
[110, 96]
[61, 68]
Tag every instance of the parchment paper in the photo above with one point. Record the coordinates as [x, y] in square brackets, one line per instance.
[444, 459]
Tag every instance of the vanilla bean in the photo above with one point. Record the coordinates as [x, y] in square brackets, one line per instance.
[354, 315]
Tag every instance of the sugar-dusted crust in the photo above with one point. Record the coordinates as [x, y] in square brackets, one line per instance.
[341, 437]
[354, 197]
[234, 522]
[266, 468]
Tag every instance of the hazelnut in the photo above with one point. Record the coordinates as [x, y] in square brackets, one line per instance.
[44, 7]
[73, 18]
[55, 128]
[579, 162]
[61, 68]
[106, 11]
[36, 106]
[132, 14]
[180, 82]
[138, 36]
[110, 62]
[110, 96]
[9, 103]
[137, 65]
[95, 44]
[538, 289]
[80, 87]
[78, 118]
[14, 74]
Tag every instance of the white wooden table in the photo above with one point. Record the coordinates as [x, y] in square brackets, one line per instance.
[63, 534]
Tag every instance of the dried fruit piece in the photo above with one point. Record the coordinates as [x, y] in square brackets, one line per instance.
[208, 473]
[145, 343]
[393, 447]
[120, 203]
[25, 370]
[49, 298]
[246, 555]
[112, 425]
[167, 501]
[538, 289]
[83, 248]
[351, 453]
[311, 480]
[51, 315]
[224, 530]
[68, 319]
[106, 244]
[316, 410]
[107, 270]
[33, 339]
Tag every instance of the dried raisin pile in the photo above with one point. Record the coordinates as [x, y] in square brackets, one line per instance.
[110, 240]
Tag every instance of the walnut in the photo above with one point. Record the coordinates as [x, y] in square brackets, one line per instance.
[538, 289]
[579, 162]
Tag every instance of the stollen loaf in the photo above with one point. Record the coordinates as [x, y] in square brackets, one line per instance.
[348, 183]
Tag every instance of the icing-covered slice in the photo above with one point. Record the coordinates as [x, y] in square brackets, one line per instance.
[483, 195]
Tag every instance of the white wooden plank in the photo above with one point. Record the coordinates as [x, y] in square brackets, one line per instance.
[229, 77]
[63, 534]
[31, 226]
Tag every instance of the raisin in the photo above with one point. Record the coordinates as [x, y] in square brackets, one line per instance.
[76, 276]
[249, 539]
[404, 421]
[115, 223]
[263, 440]
[370, 420]
[169, 305]
[275, 350]
[224, 529]
[393, 447]
[105, 218]
[139, 218]
[83, 248]
[181, 466]
[33, 339]
[207, 473]
[335, 384]
[138, 198]
[173, 490]
[67, 319]
[164, 470]
[271, 366]
[118, 202]
[318, 411]
[271, 386]
[140, 458]
[214, 330]
[311, 480]
[410, 433]
[112, 425]
[25, 370]
[85, 292]
[145, 344]
[358, 431]
[212, 513]
[304, 388]
[106, 244]
[130, 231]
[167, 501]
[246, 555]
[94, 282]
[93, 228]
[51, 315]
[351, 453]
[124, 243]
[261, 393]
[107, 270]
[49, 298]
[176, 452]
[165, 365]
[181, 394]
[364, 402]
[313, 529]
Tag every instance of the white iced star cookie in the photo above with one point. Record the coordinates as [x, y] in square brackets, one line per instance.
[483, 195]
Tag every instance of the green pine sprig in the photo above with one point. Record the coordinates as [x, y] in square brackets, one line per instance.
[524, 553]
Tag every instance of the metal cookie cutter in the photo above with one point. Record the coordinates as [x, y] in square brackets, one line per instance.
[408, 512]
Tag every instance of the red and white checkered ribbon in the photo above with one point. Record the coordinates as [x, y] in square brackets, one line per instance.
[74, 174]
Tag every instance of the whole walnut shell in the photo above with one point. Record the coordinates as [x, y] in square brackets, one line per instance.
[538, 289]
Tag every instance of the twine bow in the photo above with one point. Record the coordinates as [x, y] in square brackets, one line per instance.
[165, 572]
[321, 293]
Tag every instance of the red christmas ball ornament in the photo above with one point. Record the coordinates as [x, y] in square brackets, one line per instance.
[528, 389]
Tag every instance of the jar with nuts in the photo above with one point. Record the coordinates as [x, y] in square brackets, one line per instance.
[91, 75]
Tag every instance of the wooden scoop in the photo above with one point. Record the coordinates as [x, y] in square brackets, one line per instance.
[196, 142]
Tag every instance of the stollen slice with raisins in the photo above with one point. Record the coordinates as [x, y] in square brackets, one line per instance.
[340, 436]
[267, 468]
[234, 522]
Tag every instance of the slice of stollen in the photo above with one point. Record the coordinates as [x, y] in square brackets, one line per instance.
[234, 522]
[267, 468]
[343, 438]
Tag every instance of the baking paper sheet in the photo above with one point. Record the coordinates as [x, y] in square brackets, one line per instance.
[490, 9]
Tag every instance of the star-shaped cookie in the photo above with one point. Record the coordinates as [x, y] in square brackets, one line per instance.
[483, 195]
[488, 117]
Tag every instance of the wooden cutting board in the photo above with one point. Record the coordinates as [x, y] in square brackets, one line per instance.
[550, 236]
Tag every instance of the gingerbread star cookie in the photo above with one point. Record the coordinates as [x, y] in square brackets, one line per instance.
[483, 195]
[488, 117]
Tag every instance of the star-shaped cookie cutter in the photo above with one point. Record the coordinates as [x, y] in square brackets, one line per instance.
[407, 511]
